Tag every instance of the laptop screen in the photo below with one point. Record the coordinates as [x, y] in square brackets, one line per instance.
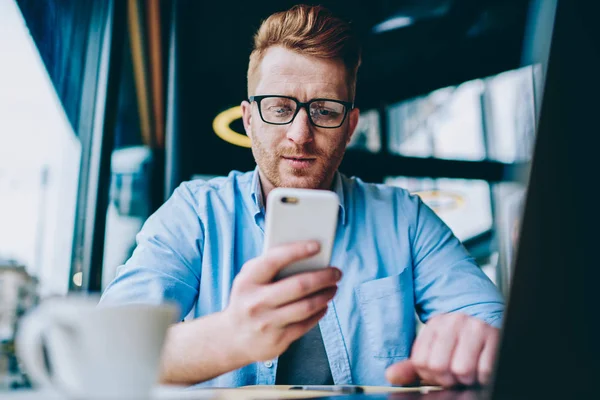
[549, 343]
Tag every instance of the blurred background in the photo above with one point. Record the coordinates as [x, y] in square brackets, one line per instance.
[106, 106]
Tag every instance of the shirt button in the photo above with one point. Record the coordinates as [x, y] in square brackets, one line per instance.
[268, 364]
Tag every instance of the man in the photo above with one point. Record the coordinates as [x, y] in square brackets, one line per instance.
[202, 248]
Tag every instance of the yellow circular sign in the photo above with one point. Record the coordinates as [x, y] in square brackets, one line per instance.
[221, 126]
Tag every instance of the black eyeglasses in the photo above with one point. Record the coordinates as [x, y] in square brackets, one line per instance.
[281, 110]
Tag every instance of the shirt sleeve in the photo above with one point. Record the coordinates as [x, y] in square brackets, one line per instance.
[446, 277]
[166, 262]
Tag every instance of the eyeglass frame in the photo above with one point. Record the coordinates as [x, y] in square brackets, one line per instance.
[348, 106]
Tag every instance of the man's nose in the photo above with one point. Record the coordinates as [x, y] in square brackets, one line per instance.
[300, 130]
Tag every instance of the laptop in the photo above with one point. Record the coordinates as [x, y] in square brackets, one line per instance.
[550, 339]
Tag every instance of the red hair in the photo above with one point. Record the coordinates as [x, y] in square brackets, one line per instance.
[311, 31]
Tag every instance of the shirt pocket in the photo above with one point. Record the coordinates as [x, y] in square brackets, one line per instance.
[387, 311]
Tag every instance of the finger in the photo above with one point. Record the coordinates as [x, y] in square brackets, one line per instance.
[467, 352]
[299, 286]
[301, 310]
[440, 356]
[421, 349]
[264, 268]
[487, 357]
[295, 331]
[422, 345]
[402, 373]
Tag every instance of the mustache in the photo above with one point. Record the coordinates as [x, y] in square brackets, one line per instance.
[296, 151]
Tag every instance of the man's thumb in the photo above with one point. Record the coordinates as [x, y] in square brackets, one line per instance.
[402, 373]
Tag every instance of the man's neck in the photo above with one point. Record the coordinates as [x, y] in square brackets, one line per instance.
[266, 186]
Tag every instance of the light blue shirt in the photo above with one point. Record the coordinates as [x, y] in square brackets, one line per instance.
[396, 255]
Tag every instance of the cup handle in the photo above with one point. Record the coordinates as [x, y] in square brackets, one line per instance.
[29, 346]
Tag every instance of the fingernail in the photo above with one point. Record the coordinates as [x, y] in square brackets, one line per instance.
[312, 247]
[338, 274]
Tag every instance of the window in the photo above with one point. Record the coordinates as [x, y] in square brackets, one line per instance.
[39, 160]
[464, 205]
[491, 118]
[444, 124]
[509, 202]
[367, 135]
[511, 115]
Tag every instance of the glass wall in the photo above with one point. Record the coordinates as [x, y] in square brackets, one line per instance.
[39, 160]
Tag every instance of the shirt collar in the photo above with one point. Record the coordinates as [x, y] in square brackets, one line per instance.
[259, 204]
[256, 193]
[338, 188]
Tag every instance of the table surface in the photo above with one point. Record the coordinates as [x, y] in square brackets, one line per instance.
[243, 393]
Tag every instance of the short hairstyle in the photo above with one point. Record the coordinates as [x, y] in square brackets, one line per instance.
[312, 31]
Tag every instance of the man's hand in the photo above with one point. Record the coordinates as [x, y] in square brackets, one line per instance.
[451, 349]
[268, 316]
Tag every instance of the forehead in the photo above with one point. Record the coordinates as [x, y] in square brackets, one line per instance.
[289, 73]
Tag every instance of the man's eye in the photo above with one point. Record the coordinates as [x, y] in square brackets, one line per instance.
[279, 110]
[324, 112]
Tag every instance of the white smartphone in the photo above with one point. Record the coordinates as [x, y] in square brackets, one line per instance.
[299, 215]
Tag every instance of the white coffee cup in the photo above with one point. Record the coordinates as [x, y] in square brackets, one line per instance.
[94, 352]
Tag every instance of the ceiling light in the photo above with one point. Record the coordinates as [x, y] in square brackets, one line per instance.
[393, 23]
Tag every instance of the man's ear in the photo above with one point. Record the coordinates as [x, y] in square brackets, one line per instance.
[247, 116]
[352, 122]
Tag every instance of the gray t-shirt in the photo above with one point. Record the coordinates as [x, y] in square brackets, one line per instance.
[305, 362]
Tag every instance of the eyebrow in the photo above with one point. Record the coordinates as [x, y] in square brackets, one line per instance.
[328, 96]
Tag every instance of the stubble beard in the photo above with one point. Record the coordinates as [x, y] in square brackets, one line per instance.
[314, 178]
